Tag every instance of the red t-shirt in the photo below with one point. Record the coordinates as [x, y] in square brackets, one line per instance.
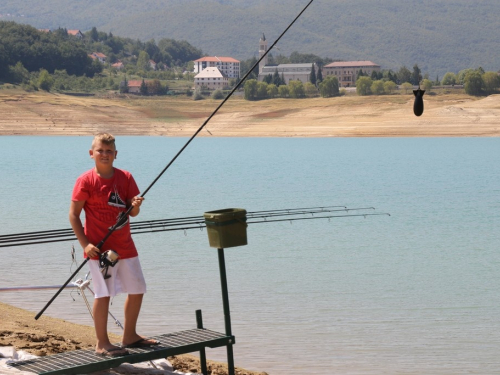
[104, 199]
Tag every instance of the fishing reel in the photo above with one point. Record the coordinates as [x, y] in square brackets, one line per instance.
[108, 259]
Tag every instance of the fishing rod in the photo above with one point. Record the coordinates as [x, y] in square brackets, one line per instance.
[147, 226]
[127, 212]
[7, 237]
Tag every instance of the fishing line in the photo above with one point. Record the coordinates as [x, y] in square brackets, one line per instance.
[114, 227]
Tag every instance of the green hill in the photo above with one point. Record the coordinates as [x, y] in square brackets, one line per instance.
[438, 35]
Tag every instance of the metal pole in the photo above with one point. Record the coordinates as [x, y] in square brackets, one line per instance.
[227, 315]
[203, 356]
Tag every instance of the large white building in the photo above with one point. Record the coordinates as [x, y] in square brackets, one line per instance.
[211, 78]
[288, 72]
[347, 71]
[227, 65]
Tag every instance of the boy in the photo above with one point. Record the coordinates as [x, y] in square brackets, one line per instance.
[103, 192]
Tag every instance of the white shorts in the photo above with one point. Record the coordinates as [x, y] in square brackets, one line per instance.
[126, 277]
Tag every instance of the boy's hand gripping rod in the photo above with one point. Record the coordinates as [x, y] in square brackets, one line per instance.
[114, 227]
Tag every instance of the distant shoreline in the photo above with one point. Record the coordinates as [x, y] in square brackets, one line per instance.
[46, 114]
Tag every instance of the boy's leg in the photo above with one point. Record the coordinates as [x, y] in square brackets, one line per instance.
[133, 305]
[132, 308]
[100, 311]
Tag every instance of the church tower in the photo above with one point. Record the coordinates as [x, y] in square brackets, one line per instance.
[262, 51]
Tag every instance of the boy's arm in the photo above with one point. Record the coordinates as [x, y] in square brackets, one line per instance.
[75, 210]
[136, 203]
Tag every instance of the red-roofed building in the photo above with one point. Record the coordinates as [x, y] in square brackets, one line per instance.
[134, 86]
[76, 33]
[347, 71]
[118, 65]
[99, 56]
[227, 65]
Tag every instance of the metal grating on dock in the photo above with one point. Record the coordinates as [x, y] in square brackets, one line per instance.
[86, 361]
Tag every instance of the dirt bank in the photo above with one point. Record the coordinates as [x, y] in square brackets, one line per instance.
[453, 115]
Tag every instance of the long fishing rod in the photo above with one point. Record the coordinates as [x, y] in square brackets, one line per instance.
[62, 232]
[7, 237]
[114, 227]
[60, 235]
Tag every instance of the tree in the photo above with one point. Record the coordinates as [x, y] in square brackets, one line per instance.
[124, 86]
[217, 95]
[363, 85]
[154, 87]
[319, 78]
[310, 89]
[473, 83]
[377, 87]
[312, 77]
[272, 90]
[18, 74]
[404, 75]
[329, 87]
[449, 79]
[283, 91]
[277, 79]
[406, 86]
[45, 81]
[491, 81]
[144, 88]
[94, 35]
[143, 61]
[389, 87]
[261, 90]
[427, 84]
[461, 75]
[94, 68]
[416, 76]
[250, 89]
[4, 60]
[296, 89]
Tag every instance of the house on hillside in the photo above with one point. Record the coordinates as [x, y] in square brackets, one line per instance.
[288, 72]
[76, 33]
[227, 65]
[152, 65]
[134, 86]
[118, 65]
[99, 56]
[347, 71]
[211, 78]
[45, 31]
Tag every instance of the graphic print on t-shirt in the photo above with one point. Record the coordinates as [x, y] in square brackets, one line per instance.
[115, 200]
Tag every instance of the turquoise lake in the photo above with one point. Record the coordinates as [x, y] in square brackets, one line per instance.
[417, 292]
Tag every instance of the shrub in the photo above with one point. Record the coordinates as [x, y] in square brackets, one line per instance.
[197, 95]
[217, 95]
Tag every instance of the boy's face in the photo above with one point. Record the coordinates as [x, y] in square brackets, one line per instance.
[103, 154]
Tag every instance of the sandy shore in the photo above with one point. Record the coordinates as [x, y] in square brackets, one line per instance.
[47, 336]
[452, 115]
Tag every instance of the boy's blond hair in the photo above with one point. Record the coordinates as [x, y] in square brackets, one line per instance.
[106, 138]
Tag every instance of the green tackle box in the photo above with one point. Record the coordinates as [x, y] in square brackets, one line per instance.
[227, 227]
